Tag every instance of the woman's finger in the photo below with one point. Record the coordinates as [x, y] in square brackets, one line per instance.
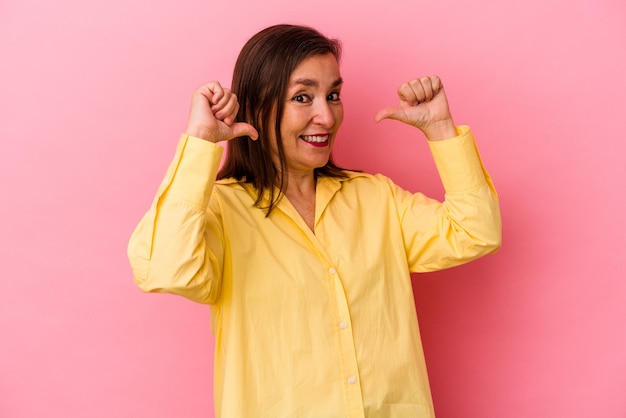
[418, 91]
[427, 88]
[226, 108]
[407, 94]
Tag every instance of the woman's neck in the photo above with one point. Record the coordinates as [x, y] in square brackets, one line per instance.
[301, 194]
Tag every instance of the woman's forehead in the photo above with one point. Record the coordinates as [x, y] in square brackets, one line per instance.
[316, 71]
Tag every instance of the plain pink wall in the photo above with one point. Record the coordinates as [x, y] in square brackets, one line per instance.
[93, 95]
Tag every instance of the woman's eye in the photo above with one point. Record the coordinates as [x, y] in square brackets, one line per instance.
[333, 97]
[301, 98]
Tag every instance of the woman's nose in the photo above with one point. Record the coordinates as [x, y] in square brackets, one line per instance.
[324, 115]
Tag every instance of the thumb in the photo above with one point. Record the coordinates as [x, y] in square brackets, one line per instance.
[390, 113]
[244, 129]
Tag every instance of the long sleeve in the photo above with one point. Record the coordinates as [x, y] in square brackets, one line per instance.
[178, 245]
[467, 224]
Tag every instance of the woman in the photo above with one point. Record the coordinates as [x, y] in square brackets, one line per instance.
[306, 267]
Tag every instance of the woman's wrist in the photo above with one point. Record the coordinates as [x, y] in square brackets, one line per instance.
[440, 130]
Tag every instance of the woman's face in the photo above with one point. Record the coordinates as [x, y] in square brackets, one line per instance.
[312, 114]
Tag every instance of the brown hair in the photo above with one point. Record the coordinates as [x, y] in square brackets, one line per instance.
[260, 80]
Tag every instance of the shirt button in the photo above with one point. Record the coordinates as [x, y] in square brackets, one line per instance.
[342, 325]
[351, 380]
[332, 270]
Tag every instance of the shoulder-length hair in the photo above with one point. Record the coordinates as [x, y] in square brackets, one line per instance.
[260, 80]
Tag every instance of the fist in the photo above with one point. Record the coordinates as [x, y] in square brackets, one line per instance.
[423, 104]
[212, 115]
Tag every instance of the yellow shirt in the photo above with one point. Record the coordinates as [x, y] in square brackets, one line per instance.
[313, 324]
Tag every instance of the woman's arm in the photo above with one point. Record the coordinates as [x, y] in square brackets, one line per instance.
[467, 224]
[178, 245]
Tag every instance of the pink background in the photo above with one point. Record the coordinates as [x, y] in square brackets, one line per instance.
[93, 96]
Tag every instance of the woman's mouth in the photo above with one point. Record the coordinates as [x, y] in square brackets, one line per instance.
[316, 140]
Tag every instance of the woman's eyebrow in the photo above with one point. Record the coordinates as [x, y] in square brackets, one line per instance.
[309, 82]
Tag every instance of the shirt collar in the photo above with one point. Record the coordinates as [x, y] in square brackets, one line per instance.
[325, 189]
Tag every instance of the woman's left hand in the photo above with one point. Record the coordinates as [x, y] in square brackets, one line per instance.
[423, 104]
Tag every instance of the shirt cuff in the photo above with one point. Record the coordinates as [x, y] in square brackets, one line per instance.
[458, 162]
[191, 174]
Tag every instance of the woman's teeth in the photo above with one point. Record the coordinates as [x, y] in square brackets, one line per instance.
[315, 138]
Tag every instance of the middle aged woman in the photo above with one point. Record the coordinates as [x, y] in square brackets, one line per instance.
[306, 266]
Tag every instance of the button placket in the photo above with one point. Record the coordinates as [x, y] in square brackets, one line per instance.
[347, 349]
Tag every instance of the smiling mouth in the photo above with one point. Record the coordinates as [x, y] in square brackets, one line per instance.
[316, 140]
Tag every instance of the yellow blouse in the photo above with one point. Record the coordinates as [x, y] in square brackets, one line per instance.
[313, 324]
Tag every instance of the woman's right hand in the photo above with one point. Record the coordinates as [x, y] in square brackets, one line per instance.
[212, 115]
